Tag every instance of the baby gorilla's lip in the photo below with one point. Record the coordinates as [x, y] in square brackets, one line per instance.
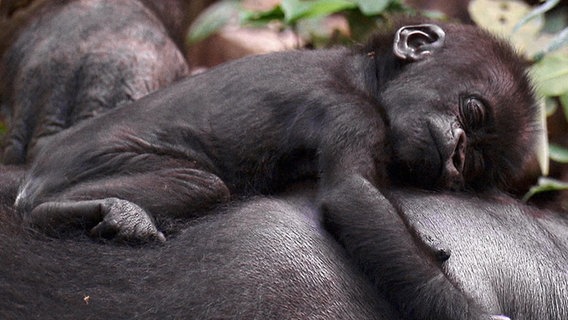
[450, 177]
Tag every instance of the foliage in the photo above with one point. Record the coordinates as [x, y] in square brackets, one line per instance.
[543, 40]
[300, 15]
[551, 75]
[545, 184]
[212, 19]
[558, 154]
[294, 10]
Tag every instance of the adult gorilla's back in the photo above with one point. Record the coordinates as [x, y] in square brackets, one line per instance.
[265, 259]
[270, 258]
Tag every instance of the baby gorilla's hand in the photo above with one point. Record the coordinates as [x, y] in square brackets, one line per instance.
[114, 218]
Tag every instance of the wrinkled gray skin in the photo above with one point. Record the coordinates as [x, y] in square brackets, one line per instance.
[75, 59]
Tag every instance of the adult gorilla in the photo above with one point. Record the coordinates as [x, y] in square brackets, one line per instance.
[511, 258]
[508, 257]
[264, 259]
[62, 62]
[270, 258]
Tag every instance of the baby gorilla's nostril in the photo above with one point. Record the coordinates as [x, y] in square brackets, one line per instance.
[452, 172]
[458, 156]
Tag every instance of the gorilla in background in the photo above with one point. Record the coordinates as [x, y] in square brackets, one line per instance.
[10, 179]
[69, 60]
[355, 119]
[271, 259]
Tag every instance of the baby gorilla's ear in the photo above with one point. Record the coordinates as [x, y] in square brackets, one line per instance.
[417, 42]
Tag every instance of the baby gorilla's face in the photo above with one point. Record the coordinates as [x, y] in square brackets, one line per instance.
[464, 116]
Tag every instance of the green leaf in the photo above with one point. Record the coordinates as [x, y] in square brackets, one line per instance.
[304, 9]
[261, 18]
[212, 19]
[564, 101]
[545, 185]
[551, 106]
[541, 147]
[501, 16]
[558, 153]
[551, 75]
[372, 7]
[536, 12]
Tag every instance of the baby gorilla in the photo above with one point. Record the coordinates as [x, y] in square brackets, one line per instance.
[441, 106]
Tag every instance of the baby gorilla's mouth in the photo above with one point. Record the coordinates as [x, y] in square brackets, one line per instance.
[438, 162]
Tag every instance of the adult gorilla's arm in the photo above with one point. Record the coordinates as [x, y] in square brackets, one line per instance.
[10, 178]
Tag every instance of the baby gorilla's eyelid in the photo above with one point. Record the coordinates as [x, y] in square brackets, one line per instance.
[472, 112]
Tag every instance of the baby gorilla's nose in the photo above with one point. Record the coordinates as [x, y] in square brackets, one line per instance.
[452, 171]
[458, 156]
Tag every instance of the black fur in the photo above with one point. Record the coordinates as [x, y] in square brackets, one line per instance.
[257, 124]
